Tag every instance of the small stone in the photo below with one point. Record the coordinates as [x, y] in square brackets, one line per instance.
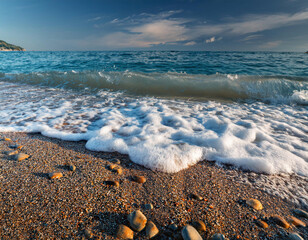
[112, 183]
[7, 139]
[300, 213]
[196, 196]
[137, 220]
[115, 161]
[199, 226]
[72, 167]
[16, 146]
[280, 221]
[111, 166]
[55, 175]
[296, 222]
[21, 156]
[139, 179]
[151, 229]
[88, 233]
[11, 153]
[295, 236]
[218, 236]
[254, 203]
[119, 171]
[262, 224]
[190, 233]
[148, 206]
[125, 232]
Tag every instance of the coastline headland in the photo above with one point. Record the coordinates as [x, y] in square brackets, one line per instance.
[7, 47]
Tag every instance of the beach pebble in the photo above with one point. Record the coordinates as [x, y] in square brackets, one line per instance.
[199, 226]
[112, 183]
[262, 224]
[119, 171]
[137, 220]
[148, 206]
[10, 153]
[296, 222]
[151, 229]
[72, 167]
[115, 161]
[300, 213]
[294, 236]
[21, 156]
[139, 179]
[196, 196]
[124, 232]
[280, 221]
[55, 175]
[254, 203]
[111, 166]
[16, 146]
[190, 233]
[218, 236]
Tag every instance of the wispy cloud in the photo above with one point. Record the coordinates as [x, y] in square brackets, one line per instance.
[252, 37]
[213, 39]
[94, 19]
[191, 43]
[145, 30]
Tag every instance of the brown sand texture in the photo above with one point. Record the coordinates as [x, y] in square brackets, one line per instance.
[80, 205]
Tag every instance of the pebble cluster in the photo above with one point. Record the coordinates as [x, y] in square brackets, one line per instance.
[138, 223]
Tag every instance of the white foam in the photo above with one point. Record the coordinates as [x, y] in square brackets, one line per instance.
[165, 135]
[300, 97]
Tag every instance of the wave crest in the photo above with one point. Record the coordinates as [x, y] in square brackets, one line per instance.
[217, 86]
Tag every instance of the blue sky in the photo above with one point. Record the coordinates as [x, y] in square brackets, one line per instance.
[262, 25]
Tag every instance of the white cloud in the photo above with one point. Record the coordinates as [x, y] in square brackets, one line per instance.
[191, 43]
[212, 39]
[146, 30]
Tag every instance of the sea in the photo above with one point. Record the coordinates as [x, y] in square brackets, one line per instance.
[167, 110]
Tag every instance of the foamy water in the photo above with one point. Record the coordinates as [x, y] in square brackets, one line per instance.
[167, 112]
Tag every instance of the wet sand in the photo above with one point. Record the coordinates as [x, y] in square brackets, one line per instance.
[80, 205]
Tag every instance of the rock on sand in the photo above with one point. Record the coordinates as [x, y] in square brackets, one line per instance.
[190, 233]
[125, 232]
[137, 220]
[254, 203]
[151, 229]
[21, 156]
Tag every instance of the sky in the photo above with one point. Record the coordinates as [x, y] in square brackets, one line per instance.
[198, 25]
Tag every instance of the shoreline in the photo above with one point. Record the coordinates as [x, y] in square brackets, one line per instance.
[33, 206]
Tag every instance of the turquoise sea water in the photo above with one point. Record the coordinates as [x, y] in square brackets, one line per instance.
[166, 110]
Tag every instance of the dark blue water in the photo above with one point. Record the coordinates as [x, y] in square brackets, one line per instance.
[242, 63]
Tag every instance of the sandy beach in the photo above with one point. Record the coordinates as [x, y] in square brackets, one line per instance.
[80, 205]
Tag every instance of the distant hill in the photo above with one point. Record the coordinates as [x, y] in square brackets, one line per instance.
[4, 46]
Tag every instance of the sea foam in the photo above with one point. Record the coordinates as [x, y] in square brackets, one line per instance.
[163, 134]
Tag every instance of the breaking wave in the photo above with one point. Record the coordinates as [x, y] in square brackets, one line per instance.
[171, 84]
